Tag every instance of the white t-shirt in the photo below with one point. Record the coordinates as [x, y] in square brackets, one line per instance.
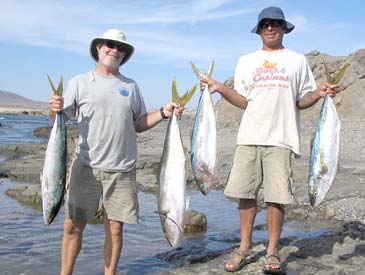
[107, 108]
[272, 82]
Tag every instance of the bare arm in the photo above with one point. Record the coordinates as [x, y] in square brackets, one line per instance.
[153, 118]
[231, 95]
[309, 99]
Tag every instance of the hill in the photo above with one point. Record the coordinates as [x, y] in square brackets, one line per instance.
[350, 102]
[11, 103]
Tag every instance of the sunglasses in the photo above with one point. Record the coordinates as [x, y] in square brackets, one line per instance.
[264, 24]
[112, 45]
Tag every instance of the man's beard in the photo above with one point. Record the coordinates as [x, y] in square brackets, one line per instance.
[109, 61]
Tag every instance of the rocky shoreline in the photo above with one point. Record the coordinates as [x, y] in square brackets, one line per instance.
[340, 251]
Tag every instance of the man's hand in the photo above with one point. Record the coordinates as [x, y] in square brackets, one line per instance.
[327, 88]
[213, 85]
[168, 109]
[56, 103]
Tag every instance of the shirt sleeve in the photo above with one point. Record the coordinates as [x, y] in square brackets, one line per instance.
[70, 98]
[307, 82]
[139, 107]
[239, 84]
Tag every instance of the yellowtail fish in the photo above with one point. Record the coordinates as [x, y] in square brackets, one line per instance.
[171, 180]
[204, 137]
[53, 178]
[325, 150]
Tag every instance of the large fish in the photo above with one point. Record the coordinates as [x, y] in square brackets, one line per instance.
[53, 177]
[172, 196]
[325, 151]
[204, 137]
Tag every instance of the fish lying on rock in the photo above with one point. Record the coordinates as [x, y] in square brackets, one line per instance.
[171, 180]
[53, 178]
[325, 149]
[204, 137]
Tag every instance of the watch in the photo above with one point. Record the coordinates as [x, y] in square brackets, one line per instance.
[163, 114]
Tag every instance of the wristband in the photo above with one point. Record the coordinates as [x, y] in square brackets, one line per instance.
[163, 114]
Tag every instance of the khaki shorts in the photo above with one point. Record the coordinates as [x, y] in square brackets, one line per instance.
[117, 189]
[257, 165]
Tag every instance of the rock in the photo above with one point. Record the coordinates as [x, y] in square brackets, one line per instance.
[299, 214]
[3, 174]
[195, 222]
[28, 194]
[330, 213]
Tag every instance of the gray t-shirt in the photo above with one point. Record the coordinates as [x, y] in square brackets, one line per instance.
[107, 109]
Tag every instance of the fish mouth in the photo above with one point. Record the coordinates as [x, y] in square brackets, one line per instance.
[312, 200]
[171, 229]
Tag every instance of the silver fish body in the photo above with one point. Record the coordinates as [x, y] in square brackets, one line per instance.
[53, 178]
[172, 196]
[325, 153]
[204, 143]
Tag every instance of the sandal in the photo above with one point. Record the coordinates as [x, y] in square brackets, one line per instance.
[272, 265]
[236, 265]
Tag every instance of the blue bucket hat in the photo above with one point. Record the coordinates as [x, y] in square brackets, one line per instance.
[272, 13]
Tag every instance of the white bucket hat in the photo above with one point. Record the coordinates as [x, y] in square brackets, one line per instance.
[113, 35]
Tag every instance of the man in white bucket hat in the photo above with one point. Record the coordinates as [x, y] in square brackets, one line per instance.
[271, 85]
[110, 110]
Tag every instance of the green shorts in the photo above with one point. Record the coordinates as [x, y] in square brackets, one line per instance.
[117, 189]
[254, 166]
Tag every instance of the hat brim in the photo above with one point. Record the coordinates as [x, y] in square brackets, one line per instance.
[288, 29]
[127, 48]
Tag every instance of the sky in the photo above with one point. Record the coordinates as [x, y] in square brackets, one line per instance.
[53, 37]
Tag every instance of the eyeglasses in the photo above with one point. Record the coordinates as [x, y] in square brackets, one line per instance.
[112, 45]
[264, 24]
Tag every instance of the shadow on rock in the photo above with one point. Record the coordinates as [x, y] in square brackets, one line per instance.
[339, 246]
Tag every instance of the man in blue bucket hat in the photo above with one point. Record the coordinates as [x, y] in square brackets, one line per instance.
[272, 85]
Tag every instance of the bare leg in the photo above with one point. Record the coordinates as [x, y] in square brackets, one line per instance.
[71, 244]
[248, 208]
[275, 218]
[113, 245]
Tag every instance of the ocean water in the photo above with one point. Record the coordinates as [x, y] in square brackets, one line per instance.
[27, 246]
[19, 129]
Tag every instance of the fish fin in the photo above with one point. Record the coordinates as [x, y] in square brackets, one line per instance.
[175, 94]
[210, 70]
[52, 86]
[182, 100]
[340, 74]
[337, 78]
[187, 96]
[197, 72]
[59, 89]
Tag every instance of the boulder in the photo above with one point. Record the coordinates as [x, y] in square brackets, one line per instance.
[195, 222]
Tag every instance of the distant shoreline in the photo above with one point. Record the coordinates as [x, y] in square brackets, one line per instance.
[23, 111]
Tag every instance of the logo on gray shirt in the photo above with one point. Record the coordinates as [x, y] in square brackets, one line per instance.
[123, 92]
